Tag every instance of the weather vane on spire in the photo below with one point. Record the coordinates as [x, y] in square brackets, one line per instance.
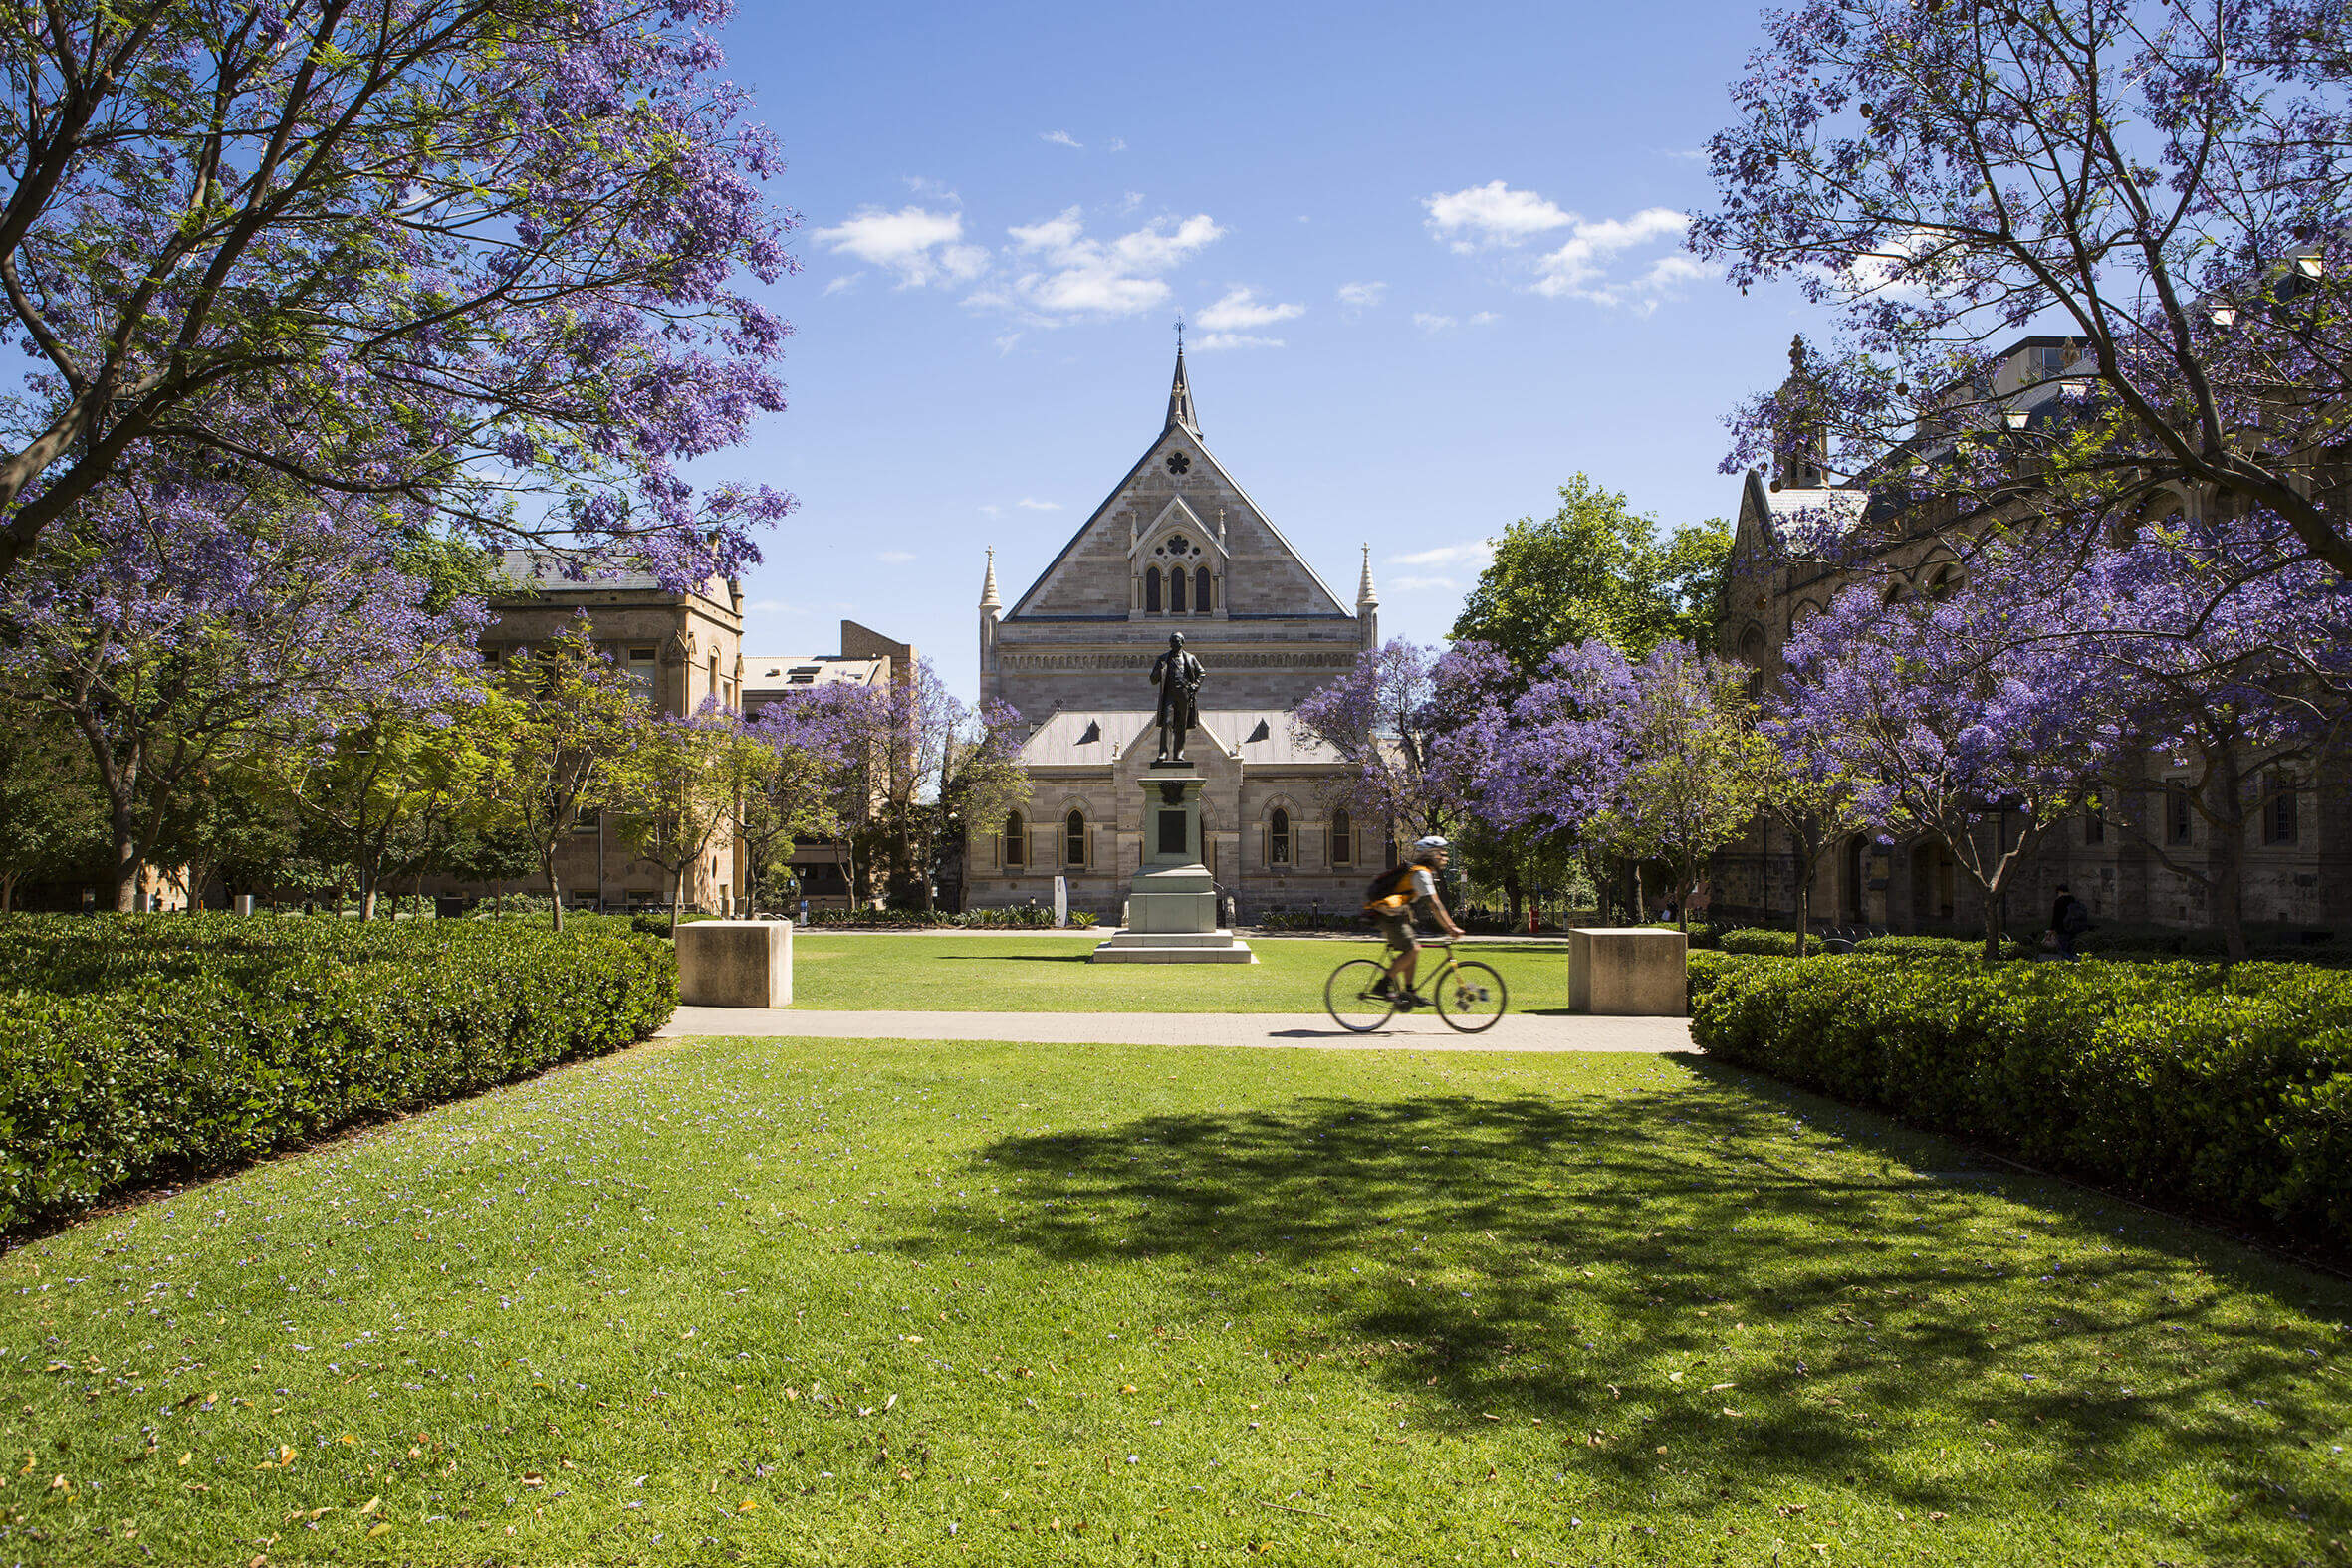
[1180, 332]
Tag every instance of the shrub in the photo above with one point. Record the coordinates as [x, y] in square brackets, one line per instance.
[136, 1050]
[2227, 1088]
[1955, 948]
[1780, 944]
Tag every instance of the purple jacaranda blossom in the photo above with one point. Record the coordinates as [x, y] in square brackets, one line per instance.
[487, 262]
[1975, 719]
[2164, 191]
[1411, 725]
[172, 623]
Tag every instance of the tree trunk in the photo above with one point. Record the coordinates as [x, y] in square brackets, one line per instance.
[1511, 893]
[555, 888]
[366, 898]
[2226, 860]
[128, 861]
[677, 897]
[8, 892]
[1804, 908]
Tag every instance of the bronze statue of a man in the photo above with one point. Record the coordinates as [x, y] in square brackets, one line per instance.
[1178, 675]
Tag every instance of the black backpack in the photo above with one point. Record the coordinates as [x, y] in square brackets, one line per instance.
[1386, 886]
[2078, 918]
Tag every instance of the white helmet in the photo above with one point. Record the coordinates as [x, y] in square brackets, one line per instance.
[1433, 841]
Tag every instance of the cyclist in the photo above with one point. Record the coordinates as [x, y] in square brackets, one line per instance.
[1395, 897]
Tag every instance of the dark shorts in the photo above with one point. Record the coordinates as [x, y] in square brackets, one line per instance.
[1399, 931]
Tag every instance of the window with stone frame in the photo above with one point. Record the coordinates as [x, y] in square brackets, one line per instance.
[2177, 827]
[1177, 583]
[1073, 839]
[1342, 838]
[1200, 590]
[1015, 848]
[2278, 811]
[1277, 838]
[642, 666]
[1151, 590]
[2094, 826]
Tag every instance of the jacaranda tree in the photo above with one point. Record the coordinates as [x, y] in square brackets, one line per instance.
[2164, 187]
[1973, 719]
[479, 259]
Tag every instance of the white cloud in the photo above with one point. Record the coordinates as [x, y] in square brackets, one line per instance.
[919, 245]
[1072, 275]
[847, 279]
[1005, 340]
[1361, 295]
[1209, 342]
[924, 186]
[1061, 138]
[1471, 552]
[896, 557]
[1484, 318]
[1424, 585]
[1118, 143]
[1241, 310]
[1430, 322]
[1577, 266]
[1031, 504]
[1491, 214]
[989, 509]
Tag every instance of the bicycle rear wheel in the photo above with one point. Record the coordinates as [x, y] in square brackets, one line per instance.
[1471, 997]
[1351, 999]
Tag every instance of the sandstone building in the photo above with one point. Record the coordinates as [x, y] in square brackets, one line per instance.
[2135, 861]
[1177, 546]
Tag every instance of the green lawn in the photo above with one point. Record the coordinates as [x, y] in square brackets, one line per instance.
[994, 974]
[881, 1304]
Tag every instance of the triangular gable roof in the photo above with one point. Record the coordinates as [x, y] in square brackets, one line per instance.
[1191, 439]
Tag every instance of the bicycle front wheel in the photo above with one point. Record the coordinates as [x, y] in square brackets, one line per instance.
[1351, 997]
[1471, 997]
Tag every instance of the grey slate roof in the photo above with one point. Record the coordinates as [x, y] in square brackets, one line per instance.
[1262, 737]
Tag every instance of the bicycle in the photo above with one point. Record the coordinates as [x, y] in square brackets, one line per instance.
[1467, 993]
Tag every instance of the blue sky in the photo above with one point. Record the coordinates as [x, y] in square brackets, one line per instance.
[1425, 255]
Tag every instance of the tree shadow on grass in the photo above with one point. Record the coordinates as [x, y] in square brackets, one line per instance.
[1006, 958]
[1516, 1257]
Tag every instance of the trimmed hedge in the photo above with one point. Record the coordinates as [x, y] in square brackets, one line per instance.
[142, 1048]
[1024, 917]
[1941, 948]
[2229, 1089]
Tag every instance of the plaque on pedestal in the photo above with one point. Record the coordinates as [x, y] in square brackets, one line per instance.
[1172, 902]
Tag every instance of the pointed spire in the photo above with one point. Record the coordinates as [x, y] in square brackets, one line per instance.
[988, 587]
[1366, 593]
[1180, 393]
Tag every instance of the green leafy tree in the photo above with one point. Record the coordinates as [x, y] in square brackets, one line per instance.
[390, 784]
[687, 780]
[577, 724]
[51, 816]
[1596, 568]
[1817, 807]
[1692, 784]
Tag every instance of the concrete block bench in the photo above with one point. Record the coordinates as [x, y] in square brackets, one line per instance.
[1637, 971]
[735, 964]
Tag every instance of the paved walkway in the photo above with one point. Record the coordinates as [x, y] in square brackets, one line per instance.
[1517, 1031]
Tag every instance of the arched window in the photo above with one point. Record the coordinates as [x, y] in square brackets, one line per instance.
[1074, 829]
[1946, 583]
[1016, 842]
[1177, 581]
[1342, 838]
[1200, 590]
[1151, 590]
[1277, 838]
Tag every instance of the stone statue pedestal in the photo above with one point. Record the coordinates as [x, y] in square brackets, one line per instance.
[1172, 902]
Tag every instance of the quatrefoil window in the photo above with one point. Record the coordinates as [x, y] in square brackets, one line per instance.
[1178, 463]
[1177, 544]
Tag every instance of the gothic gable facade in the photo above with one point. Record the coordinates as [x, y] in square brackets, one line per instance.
[1178, 546]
